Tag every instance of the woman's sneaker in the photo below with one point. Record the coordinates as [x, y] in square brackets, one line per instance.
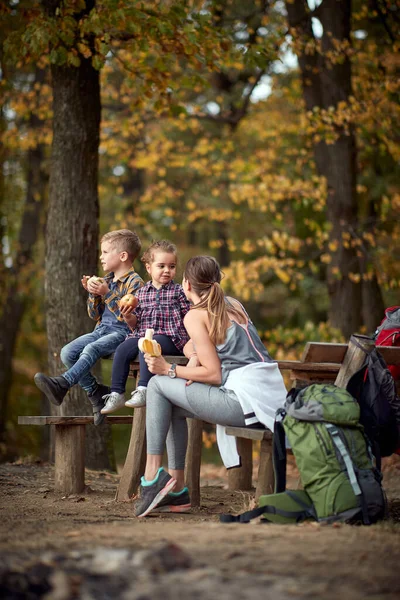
[138, 398]
[175, 502]
[114, 401]
[151, 495]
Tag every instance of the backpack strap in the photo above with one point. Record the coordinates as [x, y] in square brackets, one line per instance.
[279, 456]
[307, 512]
[351, 474]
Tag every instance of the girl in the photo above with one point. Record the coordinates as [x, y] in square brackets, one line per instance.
[162, 306]
[238, 384]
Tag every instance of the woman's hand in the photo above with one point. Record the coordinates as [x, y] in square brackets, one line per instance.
[192, 362]
[157, 364]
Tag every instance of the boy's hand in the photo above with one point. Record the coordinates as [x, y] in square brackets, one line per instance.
[84, 281]
[97, 288]
[103, 289]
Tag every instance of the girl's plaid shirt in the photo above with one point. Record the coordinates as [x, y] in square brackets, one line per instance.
[129, 283]
[163, 310]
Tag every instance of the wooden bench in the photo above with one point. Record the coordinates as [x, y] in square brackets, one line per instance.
[69, 459]
[70, 433]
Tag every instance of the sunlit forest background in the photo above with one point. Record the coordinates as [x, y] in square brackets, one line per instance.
[265, 133]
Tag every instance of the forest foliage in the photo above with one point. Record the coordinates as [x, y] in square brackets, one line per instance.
[206, 139]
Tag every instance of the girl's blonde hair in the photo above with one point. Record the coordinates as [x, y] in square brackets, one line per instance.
[159, 246]
[204, 275]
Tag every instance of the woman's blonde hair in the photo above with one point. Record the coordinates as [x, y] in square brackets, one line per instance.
[204, 275]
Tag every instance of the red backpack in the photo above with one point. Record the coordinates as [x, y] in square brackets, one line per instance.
[388, 334]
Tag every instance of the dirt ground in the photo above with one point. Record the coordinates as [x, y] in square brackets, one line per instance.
[90, 547]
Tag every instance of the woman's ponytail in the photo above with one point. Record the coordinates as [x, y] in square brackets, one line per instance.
[204, 274]
[218, 315]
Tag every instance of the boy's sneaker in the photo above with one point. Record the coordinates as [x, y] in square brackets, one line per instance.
[175, 502]
[113, 401]
[138, 398]
[97, 401]
[151, 495]
[54, 388]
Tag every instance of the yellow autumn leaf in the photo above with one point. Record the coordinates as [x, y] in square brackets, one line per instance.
[283, 275]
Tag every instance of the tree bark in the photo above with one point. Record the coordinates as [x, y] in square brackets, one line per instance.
[325, 84]
[72, 225]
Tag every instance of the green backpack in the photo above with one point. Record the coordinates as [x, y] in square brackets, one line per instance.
[321, 423]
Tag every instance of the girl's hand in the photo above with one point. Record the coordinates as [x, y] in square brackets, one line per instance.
[192, 362]
[125, 310]
[129, 318]
[157, 364]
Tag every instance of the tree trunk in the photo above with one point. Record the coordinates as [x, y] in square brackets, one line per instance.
[72, 226]
[15, 294]
[325, 84]
[373, 306]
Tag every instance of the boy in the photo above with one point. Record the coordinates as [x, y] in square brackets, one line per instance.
[118, 251]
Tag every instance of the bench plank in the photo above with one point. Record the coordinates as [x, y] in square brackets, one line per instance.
[178, 360]
[250, 434]
[390, 354]
[326, 352]
[311, 367]
[323, 352]
[72, 420]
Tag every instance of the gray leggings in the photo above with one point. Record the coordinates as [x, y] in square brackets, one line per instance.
[170, 402]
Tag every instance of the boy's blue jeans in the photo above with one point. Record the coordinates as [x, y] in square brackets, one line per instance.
[81, 354]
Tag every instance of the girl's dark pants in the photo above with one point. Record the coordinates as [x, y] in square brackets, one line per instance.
[127, 352]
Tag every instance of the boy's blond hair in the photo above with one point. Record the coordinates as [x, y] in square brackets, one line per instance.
[124, 240]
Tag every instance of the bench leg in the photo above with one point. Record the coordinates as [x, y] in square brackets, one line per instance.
[70, 459]
[266, 477]
[241, 478]
[135, 459]
[193, 459]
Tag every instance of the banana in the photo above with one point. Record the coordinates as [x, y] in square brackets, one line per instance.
[149, 346]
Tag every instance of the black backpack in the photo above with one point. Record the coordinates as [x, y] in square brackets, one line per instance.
[374, 388]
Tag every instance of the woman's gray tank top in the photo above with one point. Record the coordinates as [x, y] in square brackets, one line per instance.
[242, 346]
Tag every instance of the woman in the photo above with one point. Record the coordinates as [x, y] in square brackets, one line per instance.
[230, 380]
